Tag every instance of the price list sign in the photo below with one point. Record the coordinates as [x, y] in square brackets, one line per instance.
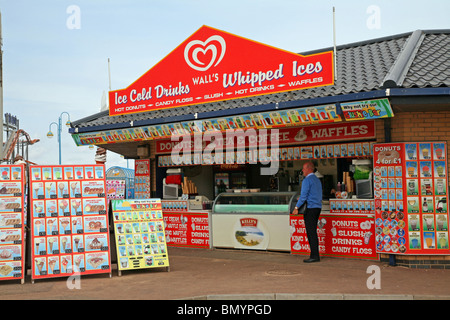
[12, 222]
[139, 234]
[339, 236]
[411, 196]
[69, 221]
[142, 179]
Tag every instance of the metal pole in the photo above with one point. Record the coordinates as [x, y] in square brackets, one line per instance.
[109, 74]
[50, 134]
[334, 45]
[59, 137]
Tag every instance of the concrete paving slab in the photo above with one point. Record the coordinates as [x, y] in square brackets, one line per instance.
[232, 274]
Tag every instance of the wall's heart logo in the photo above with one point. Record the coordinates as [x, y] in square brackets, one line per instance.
[215, 44]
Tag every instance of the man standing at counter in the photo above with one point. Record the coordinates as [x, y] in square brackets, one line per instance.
[311, 193]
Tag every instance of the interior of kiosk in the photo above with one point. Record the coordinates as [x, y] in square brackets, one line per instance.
[209, 180]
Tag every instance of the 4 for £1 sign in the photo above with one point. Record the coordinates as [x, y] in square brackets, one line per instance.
[213, 65]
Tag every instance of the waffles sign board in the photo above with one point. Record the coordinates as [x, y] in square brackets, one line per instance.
[213, 65]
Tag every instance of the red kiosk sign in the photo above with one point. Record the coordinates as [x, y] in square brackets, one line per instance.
[213, 65]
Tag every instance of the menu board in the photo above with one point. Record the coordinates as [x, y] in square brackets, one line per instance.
[411, 198]
[350, 236]
[188, 229]
[69, 221]
[142, 179]
[115, 189]
[352, 206]
[12, 222]
[330, 151]
[139, 233]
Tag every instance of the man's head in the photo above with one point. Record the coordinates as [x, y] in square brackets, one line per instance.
[308, 167]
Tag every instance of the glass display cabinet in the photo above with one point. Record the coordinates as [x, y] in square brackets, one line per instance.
[256, 221]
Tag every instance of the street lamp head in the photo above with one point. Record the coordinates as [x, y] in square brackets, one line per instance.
[68, 123]
[50, 135]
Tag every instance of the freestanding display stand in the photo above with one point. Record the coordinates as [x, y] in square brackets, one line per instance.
[69, 221]
[139, 234]
[411, 198]
[12, 222]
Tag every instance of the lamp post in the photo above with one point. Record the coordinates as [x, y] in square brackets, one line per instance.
[58, 125]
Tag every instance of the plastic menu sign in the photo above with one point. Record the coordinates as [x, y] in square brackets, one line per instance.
[69, 221]
[12, 222]
[115, 189]
[339, 236]
[139, 233]
[411, 198]
[142, 179]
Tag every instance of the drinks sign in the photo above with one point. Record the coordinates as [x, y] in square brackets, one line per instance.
[349, 236]
[213, 65]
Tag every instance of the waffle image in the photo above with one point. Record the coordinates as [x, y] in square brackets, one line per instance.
[5, 190]
[89, 190]
[11, 222]
[95, 244]
[95, 262]
[11, 237]
[94, 208]
[94, 225]
[12, 205]
[5, 270]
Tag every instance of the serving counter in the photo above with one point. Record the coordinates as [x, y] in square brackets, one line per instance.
[258, 221]
[262, 221]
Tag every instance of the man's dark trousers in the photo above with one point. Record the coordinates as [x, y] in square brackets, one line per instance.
[311, 217]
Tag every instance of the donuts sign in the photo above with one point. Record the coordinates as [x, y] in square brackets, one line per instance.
[213, 65]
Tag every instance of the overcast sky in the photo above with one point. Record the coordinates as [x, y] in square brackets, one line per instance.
[55, 52]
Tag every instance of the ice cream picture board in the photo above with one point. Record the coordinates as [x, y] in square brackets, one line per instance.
[415, 219]
[12, 222]
[69, 221]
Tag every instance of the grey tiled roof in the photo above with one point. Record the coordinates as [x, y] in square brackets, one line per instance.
[417, 59]
[431, 66]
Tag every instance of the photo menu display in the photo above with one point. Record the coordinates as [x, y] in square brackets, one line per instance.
[12, 222]
[69, 221]
[139, 234]
[142, 179]
[411, 198]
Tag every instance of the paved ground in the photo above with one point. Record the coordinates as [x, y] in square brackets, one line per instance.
[223, 274]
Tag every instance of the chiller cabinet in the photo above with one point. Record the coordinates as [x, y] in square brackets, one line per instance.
[258, 221]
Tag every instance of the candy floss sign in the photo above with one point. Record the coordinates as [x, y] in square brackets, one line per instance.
[212, 65]
[339, 236]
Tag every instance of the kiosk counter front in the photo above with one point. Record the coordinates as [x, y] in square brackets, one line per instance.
[257, 221]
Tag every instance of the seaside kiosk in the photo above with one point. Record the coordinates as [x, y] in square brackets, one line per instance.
[207, 109]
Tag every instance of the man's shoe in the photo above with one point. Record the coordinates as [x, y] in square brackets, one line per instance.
[311, 260]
